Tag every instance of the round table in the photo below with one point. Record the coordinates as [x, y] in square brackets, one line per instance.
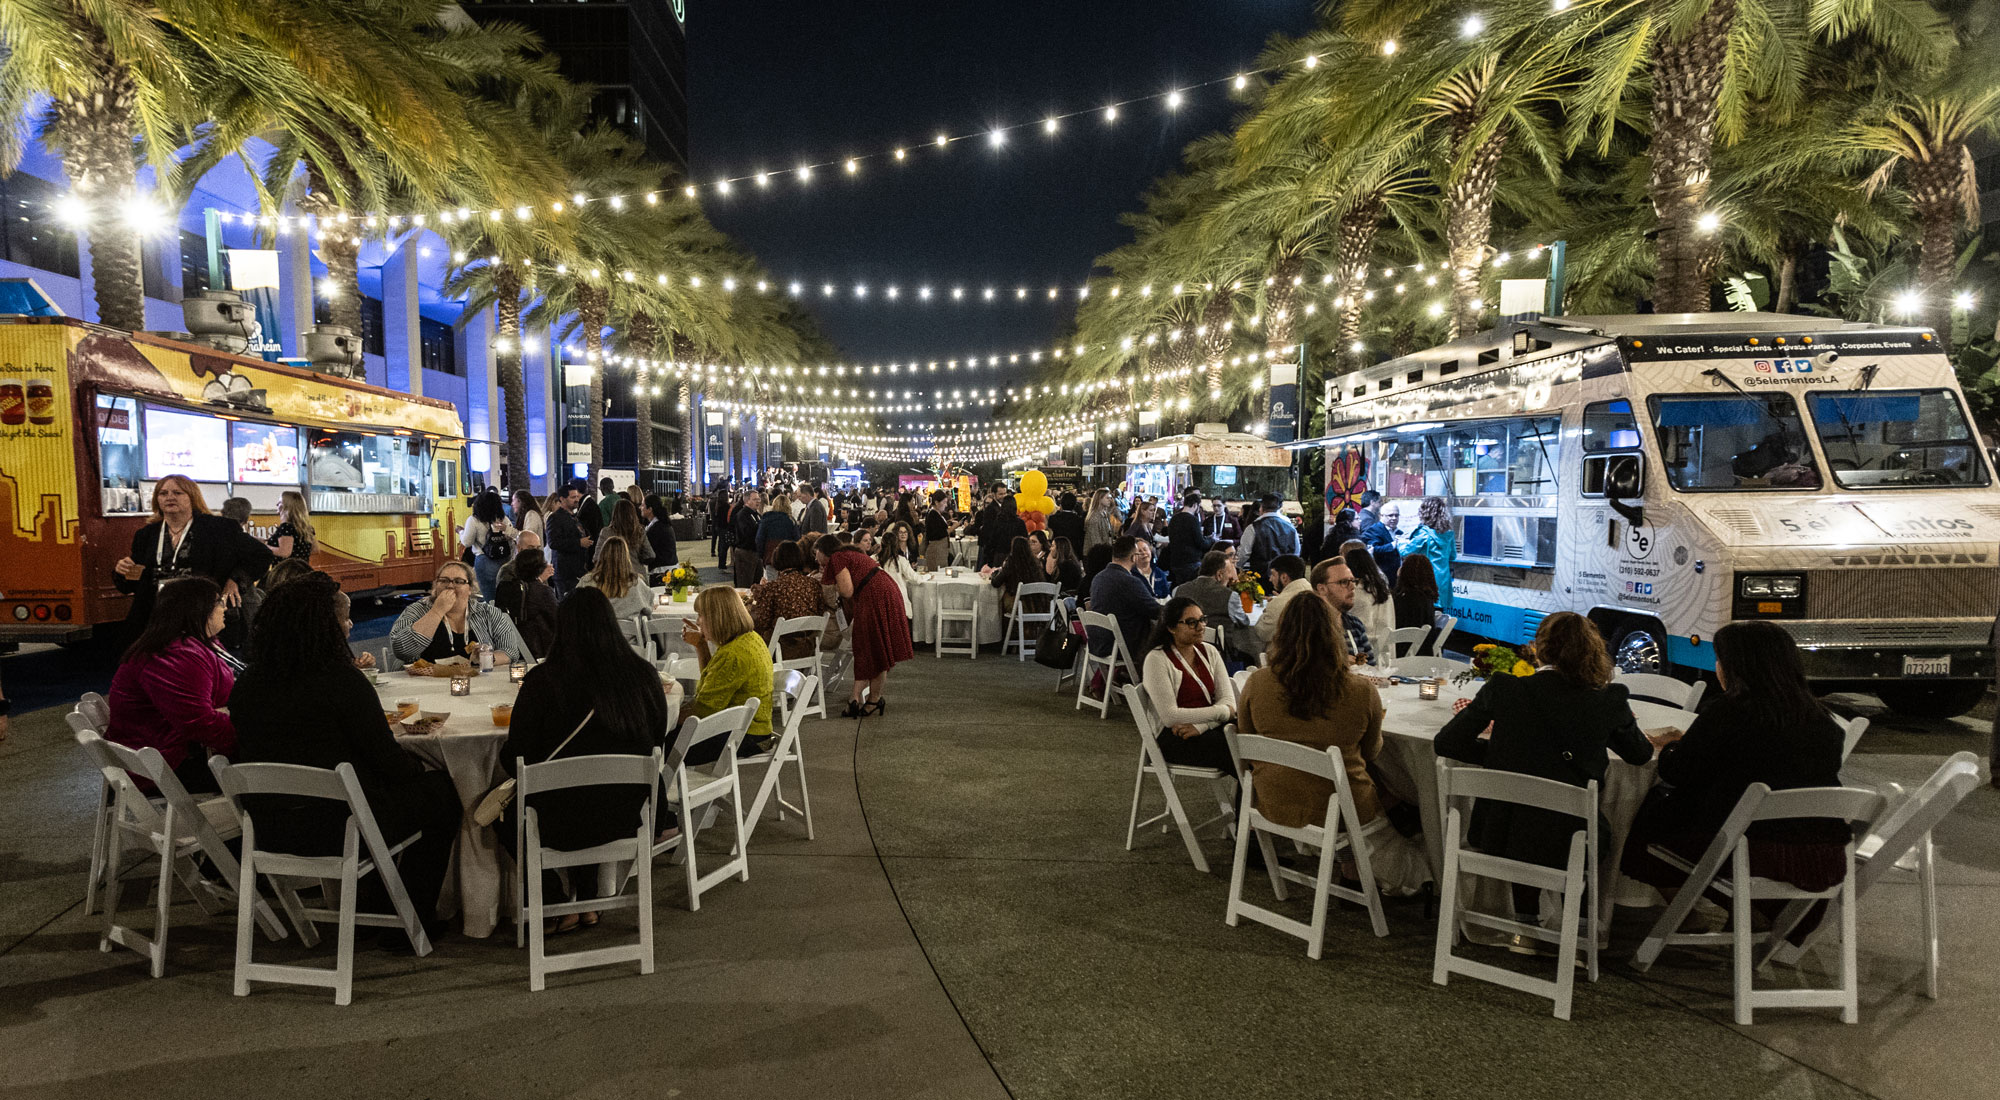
[1408, 767]
[923, 594]
[468, 748]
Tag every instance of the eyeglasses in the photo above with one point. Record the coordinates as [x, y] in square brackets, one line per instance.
[1196, 621]
[1348, 583]
[456, 582]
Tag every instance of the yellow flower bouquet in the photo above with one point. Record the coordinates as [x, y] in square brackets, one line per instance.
[1489, 660]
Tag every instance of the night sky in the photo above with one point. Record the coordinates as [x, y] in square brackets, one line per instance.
[773, 84]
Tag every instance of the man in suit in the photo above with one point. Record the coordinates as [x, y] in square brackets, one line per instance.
[1185, 541]
[813, 519]
[660, 534]
[1119, 592]
[1377, 522]
[718, 519]
[568, 541]
[1067, 522]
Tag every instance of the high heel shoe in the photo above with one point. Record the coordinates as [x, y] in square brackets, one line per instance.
[879, 706]
[854, 710]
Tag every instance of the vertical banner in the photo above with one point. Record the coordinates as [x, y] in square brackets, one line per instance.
[1149, 424]
[715, 447]
[254, 273]
[825, 454]
[777, 449]
[1284, 422]
[1089, 455]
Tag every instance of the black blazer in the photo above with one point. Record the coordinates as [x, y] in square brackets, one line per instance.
[666, 552]
[321, 719]
[1067, 524]
[213, 547]
[1728, 748]
[532, 606]
[545, 713]
[1545, 726]
[565, 541]
[1185, 546]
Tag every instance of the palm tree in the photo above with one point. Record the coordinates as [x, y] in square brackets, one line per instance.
[438, 129]
[121, 78]
[1713, 68]
[1920, 132]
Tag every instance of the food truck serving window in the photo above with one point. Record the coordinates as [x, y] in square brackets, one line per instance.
[120, 465]
[1896, 439]
[360, 472]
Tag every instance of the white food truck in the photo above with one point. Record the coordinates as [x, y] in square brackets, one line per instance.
[1666, 474]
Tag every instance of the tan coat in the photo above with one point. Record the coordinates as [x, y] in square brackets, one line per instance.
[1290, 797]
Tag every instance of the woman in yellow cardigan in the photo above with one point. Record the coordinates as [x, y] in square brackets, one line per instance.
[737, 670]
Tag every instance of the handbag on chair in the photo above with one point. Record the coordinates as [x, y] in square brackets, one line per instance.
[1057, 647]
[494, 802]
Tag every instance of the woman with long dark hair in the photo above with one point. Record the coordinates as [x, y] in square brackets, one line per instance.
[172, 686]
[1061, 567]
[302, 701]
[489, 518]
[1189, 687]
[1555, 724]
[527, 599]
[1764, 726]
[1416, 597]
[1020, 568]
[594, 685]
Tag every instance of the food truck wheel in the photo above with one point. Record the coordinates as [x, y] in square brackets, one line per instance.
[1947, 699]
[1638, 649]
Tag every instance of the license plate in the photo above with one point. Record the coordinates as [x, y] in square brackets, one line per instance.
[1927, 666]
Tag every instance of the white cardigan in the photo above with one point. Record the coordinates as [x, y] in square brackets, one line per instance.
[1163, 688]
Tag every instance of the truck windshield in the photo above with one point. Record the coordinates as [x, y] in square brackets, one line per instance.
[1714, 442]
[1896, 439]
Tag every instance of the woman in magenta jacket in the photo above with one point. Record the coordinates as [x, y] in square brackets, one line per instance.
[173, 683]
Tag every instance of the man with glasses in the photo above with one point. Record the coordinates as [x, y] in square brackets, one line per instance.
[453, 622]
[1335, 584]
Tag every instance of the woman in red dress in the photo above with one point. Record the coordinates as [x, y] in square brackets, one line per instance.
[875, 611]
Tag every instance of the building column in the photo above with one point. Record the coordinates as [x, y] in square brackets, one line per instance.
[295, 288]
[402, 325]
[482, 391]
[545, 421]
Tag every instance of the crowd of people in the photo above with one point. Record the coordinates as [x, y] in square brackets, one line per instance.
[547, 583]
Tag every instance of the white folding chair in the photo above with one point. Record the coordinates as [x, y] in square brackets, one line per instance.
[1900, 841]
[815, 627]
[173, 828]
[1444, 630]
[789, 690]
[1061, 618]
[695, 790]
[96, 708]
[1213, 636]
[339, 873]
[958, 605]
[1578, 877]
[1240, 680]
[83, 725]
[663, 633]
[1152, 762]
[1858, 808]
[634, 628]
[680, 666]
[1665, 690]
[584, 771]
[1340, 828]
[1851, 730]
[1109, 662]
[386, 659]
[1020, 633]
[1402, 639]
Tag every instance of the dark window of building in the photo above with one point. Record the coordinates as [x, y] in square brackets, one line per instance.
[371, 325]
[194, 263]
[155, 254]
[33, 235]
[440, 347]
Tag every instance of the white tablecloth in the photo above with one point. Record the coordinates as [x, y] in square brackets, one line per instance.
[468, 749]
[924, 606]
[1408, 767]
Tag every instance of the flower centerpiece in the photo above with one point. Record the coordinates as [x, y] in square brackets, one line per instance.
[1489, 660]
[1250, 586]
[679, 580]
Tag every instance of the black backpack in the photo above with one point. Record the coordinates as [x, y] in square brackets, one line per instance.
[499, 547]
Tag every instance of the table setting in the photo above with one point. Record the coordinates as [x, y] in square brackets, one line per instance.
[460, 724]
[924, 603]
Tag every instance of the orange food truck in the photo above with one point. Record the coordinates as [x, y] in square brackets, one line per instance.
[90, 417]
